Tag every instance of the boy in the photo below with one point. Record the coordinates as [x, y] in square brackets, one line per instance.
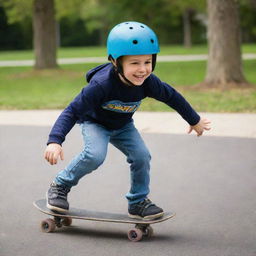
[104, 109]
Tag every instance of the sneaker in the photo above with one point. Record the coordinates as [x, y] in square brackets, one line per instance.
[145, 210]
[57, 198]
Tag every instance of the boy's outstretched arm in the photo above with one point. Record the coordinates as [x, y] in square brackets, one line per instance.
[52, 152]
[201, 126]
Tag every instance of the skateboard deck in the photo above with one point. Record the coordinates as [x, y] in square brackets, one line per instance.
[142, 227]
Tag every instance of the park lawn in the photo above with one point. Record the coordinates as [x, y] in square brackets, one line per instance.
[97, 51]
[25, 88]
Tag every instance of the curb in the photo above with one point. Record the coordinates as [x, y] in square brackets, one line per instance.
[223, 124]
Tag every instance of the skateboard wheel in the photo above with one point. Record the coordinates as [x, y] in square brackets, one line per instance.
[48, 225]
[135, 235]
[67, 221]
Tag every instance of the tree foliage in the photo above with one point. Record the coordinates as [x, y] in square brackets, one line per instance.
[17, 10]
[98, 16]
[94, 18]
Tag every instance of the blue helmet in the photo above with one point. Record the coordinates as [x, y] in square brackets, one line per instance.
[131, 38]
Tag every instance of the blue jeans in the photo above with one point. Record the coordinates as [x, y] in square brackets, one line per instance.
[127, 140]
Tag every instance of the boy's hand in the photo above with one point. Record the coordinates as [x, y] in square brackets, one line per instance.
[52, 152]
[203, 124]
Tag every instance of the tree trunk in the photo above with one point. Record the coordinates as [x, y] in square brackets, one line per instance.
[44, 34]
[224, 61]
[187, 28]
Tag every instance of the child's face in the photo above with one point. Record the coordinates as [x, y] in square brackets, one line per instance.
[137, 68]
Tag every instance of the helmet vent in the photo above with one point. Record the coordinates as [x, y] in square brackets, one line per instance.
[130, 27]
[135, 41]
[142, 26]
[152, 40]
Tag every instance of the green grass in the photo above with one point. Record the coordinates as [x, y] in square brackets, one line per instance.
[183, 75]
[25, 88]
[75, 52]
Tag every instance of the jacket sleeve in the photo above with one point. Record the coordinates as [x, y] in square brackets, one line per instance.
[83, 104]
[62, 126]
[163, 92]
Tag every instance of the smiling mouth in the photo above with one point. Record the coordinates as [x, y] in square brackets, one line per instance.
[139, 77]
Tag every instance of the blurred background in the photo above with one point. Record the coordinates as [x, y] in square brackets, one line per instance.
[87, 22]
[219, 34]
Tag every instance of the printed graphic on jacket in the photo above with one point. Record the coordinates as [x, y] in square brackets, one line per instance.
[121, 107]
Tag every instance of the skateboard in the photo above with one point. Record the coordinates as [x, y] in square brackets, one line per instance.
[142, 227]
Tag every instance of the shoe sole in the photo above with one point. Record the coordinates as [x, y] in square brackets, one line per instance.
[150, 217]
[57, 209]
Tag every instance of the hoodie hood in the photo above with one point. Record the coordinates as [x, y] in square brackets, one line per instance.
[95, 70]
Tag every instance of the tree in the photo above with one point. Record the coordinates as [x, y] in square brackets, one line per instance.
[187, 9]
[224, 62]
[45, 44]
[187, 41]
[44, 24]
[44, 34]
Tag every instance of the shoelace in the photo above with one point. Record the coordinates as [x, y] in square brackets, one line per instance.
[60, 191]
[146, 204]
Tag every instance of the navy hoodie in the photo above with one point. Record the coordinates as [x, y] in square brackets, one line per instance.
[106, 100]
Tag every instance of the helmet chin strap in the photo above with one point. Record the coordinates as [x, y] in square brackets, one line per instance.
[127, 81]
[119, 69]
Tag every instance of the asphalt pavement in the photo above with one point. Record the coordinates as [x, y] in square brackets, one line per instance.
[208, 181]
